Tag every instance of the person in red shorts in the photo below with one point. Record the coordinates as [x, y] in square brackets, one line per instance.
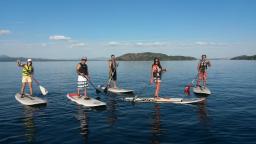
[202, 70]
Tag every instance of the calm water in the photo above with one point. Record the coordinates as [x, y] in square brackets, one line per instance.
[228, 116]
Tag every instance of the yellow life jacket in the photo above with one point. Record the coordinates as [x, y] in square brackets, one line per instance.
[27, 70]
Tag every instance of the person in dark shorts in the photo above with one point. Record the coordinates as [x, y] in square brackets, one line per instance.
[156, 75]
[112, 64]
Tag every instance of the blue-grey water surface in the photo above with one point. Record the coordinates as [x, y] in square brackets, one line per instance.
[227, 116]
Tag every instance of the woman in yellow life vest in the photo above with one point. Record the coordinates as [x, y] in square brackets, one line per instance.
[156, 75]
[27, 74]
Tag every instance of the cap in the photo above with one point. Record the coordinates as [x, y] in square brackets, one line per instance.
[84, 58]
[29, 60]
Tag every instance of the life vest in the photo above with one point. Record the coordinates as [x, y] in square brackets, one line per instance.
[27, 70]
[203, 65]
[83, 69]
[156, 70]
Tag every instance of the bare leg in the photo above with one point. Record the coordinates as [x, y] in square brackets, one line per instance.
[114, 84]
[198, 80]
[157, 90]
[110, 84]
[204, 82]
[78, 91]
[30, 88]
[22, 88]
[85, 92]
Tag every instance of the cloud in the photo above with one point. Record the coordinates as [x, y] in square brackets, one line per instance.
[201, 43]
[78, 45]
[158, 44]
[68, 41]
[44, 44]
[59, 38]
[114, 43]
[150, 44]
[204, 43]
[137, 43]
[4, 32]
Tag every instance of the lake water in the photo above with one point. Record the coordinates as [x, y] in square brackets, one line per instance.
[228, 115]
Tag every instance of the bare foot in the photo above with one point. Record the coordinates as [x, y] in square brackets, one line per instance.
[86, 98]
[157, 97]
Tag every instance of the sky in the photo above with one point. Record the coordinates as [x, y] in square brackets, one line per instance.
[99, 28]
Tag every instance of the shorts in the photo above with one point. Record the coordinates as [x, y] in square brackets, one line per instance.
[203, 75]
[82, 82]
[114, 76]
[26, 79]
[157, 79]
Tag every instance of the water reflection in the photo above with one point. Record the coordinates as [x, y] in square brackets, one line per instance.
[111, 110]
[84, 123]
[30, 129]
[202, 113]
[156, 127]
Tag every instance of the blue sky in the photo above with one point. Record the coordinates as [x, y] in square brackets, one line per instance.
[98, 28]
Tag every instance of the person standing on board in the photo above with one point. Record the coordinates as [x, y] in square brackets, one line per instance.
[83, 76]
[202, 70]
[112, 64]
[27, 74]
[156, 75]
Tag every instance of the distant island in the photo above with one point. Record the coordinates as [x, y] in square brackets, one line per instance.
[244, 57]
[148, 56]
[5, 58]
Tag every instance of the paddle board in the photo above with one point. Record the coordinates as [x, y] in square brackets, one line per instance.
[118, 90]
[91, 102]
[165, 100]
[201, 90]
[29, 100]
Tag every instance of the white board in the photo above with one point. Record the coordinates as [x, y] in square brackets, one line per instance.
[200, 90]
[29, 100]
[165, 100]
[91, 102]
[118, 90]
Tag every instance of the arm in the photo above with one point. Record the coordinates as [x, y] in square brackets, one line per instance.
[77, 69]
[33, 71]
[151, 76]
[164, 70]
[87, 76]
[198, 67]
[109, 66]
[19, 64]
[209, 64]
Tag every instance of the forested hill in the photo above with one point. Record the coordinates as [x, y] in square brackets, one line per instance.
[148, 56]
